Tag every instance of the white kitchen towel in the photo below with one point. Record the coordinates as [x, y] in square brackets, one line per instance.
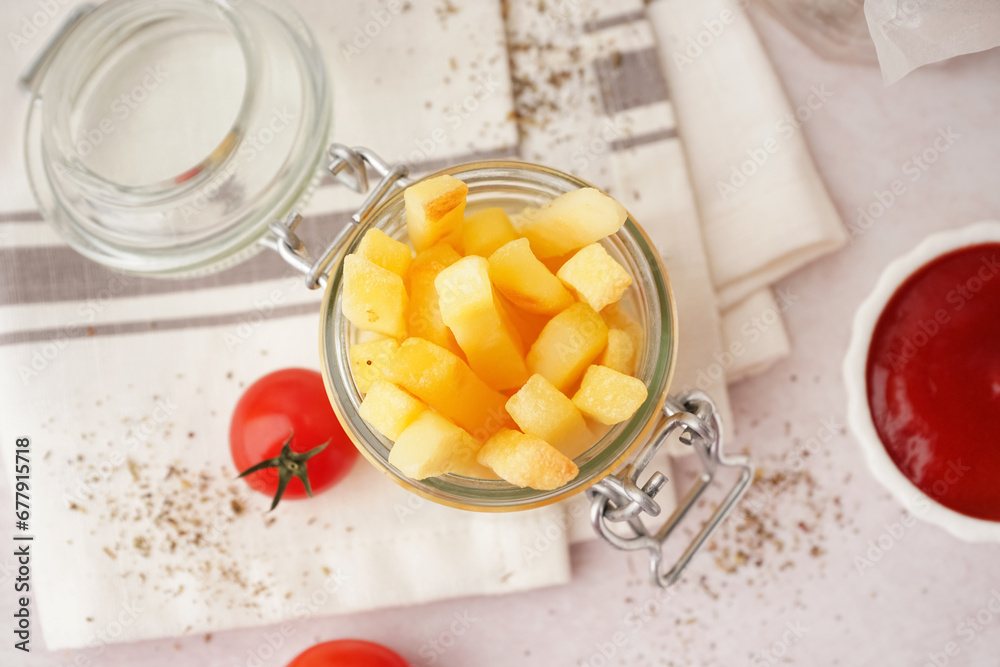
[125, 385]
[592, 98]
[764, 209]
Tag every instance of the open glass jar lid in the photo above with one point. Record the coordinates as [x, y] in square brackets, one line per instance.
[227, 108]
[228, 111]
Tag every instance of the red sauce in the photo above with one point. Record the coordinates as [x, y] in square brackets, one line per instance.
[934, 380]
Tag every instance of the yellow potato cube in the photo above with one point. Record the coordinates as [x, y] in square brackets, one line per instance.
[619, 353]
[569, 343]
[528, 283]
[424, 316]
[545, 412]
[524, 460]
[486, 230]
[609, 396]
[434, 209]
[469, 308]
[368, 360]
[619, 316]
[389, 409]
[570, 221]
[432, 446]
[446, 383]
[528, 325]
[595, 277]
[472, 467]
[379, 248]
[374, 299]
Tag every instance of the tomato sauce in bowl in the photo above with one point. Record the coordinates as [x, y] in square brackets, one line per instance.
[933, 380]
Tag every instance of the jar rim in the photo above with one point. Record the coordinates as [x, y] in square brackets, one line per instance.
[213, 214]
[92, 31]
[483, 496]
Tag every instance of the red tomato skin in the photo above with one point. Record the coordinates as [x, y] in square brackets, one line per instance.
[348, 653]
[271, 409]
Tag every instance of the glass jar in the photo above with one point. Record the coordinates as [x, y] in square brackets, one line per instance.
[514, 186]
[230, 188]
[242, 87]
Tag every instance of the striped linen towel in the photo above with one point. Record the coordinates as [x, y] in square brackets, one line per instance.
[125, 386]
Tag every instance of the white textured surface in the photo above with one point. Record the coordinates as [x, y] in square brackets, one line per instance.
[909, 604]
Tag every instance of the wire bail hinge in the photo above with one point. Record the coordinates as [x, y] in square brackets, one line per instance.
[618, 498]
[350, 167]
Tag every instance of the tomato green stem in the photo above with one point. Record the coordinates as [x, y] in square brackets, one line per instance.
[289, 464]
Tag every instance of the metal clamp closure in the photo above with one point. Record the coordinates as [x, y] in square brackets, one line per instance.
[350, 167]
[619, 499]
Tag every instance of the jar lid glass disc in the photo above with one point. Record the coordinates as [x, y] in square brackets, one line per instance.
[164, 136]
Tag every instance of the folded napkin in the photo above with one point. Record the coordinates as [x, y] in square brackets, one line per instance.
[125, 386]
[592, 98]
[764, 209]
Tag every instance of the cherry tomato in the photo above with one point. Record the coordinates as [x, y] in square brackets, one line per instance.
[289, 407]
[348, 653]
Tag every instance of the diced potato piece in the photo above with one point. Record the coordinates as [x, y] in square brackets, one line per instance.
[424, 316]
[570, 221]
[529, 285]
[454, 239]
[374, 299]
[434, 209]
[446, 383]
[545, 412]
[432, 446]
[619, 352]
[569, 343]
[595, 277]
[368, 360]
[528, 325]
[618, 316]
[389, 409]
[472, 468]
[469, 308]
[379, 248]
[553, 264]
[486, 230]
[609, 396]
[524, 460]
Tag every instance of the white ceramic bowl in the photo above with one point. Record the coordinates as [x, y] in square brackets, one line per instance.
[858, 413]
